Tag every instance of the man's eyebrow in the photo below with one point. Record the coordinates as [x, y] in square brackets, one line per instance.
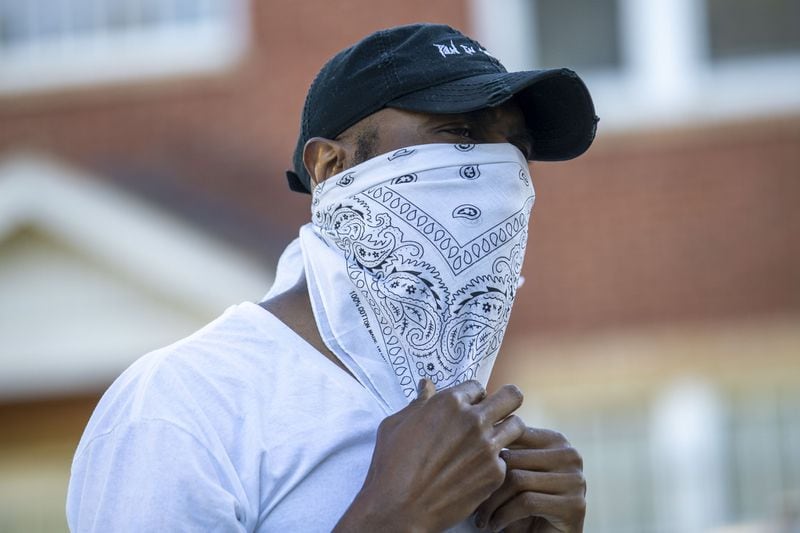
[479, 116]
[439, 118]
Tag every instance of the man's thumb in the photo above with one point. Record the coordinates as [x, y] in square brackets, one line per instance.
[425, 389]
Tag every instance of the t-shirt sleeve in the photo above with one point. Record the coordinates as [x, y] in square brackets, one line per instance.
[150, 475]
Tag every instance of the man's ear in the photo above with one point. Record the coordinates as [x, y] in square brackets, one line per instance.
[323, 158]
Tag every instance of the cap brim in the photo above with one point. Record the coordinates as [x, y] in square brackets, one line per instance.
[557, 106]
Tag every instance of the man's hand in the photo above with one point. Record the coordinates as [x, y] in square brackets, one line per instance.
[544, 490]
[437, 459]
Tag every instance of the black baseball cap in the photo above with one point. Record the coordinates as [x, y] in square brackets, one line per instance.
[434, 68]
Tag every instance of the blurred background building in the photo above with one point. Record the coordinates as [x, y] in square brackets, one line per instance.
[142, 150]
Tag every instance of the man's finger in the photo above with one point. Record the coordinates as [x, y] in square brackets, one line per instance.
[519, 481]
[548, 460]
[558, 510]
[540, 438]
[502, 403]
[485, 510]
[470, 391]
[508, 431]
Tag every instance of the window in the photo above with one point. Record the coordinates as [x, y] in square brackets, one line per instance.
[764, 428]
[693, 457]
[581, 34]
[744, 28]
[651, 63]
[615, 447]
[54, 43]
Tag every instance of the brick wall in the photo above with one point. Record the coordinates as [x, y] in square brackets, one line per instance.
[680, 226]
[674, 226]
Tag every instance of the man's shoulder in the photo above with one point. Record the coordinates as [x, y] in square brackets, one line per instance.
[170, 423]
[245, 338]
[215, 369]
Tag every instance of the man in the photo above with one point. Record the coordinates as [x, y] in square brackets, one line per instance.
[352, 397]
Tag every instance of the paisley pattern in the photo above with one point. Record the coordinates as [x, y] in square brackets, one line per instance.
[440, 285]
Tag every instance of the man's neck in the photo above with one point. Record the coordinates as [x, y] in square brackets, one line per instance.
[293, 308]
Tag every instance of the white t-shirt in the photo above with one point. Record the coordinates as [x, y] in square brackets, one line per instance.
[242, 426]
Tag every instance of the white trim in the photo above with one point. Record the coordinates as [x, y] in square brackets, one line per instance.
[512, 43]
[661, 48]
[111, 226]
[120, 278]
[688, 456]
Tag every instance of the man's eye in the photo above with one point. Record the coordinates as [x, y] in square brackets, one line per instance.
[461, 132]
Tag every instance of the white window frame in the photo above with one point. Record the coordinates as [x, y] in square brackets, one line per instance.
[113, 56]
[667, 77]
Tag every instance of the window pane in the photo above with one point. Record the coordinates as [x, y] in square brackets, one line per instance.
[764, 469]
[740, 28]
[74, 42]
[14, 23]
[578, 33]
[615, 446]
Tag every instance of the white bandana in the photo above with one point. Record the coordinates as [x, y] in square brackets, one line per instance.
[413, 259]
